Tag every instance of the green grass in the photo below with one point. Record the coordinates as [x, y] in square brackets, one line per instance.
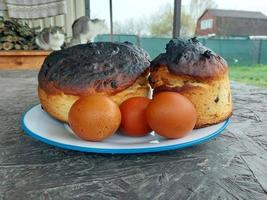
[254, 75]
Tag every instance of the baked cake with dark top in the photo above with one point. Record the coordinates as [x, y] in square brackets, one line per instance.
[193, 70]
[117, 70]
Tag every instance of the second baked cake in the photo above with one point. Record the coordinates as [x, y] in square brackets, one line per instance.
[191, 69]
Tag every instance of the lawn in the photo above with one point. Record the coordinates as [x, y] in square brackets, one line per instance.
[254, 75]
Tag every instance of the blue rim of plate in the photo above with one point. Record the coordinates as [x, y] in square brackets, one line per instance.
[120, 151]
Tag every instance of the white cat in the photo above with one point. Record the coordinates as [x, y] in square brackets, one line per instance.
[84, 30]
[50, 38]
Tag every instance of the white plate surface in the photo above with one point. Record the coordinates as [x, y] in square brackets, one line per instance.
[39, 125]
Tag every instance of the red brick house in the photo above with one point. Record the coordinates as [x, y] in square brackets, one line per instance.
[231, 23]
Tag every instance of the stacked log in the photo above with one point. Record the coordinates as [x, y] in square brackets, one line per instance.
[17, 36]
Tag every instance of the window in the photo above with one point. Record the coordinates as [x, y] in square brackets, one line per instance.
[206, 24]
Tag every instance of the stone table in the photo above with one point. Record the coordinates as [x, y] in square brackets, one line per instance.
[232, 166]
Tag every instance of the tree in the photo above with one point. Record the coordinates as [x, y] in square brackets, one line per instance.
[131, 26]
[162, 23]
[187, 25]
[197, 7]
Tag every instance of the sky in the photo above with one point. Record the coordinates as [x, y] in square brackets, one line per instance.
[141, 9]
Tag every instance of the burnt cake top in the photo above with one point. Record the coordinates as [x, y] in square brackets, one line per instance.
[190, 57]
[94, 67]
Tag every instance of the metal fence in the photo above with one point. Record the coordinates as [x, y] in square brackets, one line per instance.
[235, 51]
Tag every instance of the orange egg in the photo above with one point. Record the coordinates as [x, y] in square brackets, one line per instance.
[94, 118]
[133, 116]
[171, 115]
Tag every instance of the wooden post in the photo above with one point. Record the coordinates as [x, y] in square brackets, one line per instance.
[111, 20]
[176, 18]
[87, 8]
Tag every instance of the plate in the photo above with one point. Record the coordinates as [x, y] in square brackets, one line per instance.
[39, 125]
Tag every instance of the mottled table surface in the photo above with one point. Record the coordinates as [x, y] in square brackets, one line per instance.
[232, 166]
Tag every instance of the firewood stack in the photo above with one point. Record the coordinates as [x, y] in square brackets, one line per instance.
[16, 36]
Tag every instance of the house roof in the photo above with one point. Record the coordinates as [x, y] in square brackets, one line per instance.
[236, 13]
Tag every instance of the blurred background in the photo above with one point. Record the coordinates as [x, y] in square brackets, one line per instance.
[236, 30]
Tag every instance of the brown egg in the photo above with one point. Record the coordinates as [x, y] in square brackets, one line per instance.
[94, 118]
[171, 115]
[133, 116]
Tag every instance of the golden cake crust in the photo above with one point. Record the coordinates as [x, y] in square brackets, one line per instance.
[211, 97]
[58, 104]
